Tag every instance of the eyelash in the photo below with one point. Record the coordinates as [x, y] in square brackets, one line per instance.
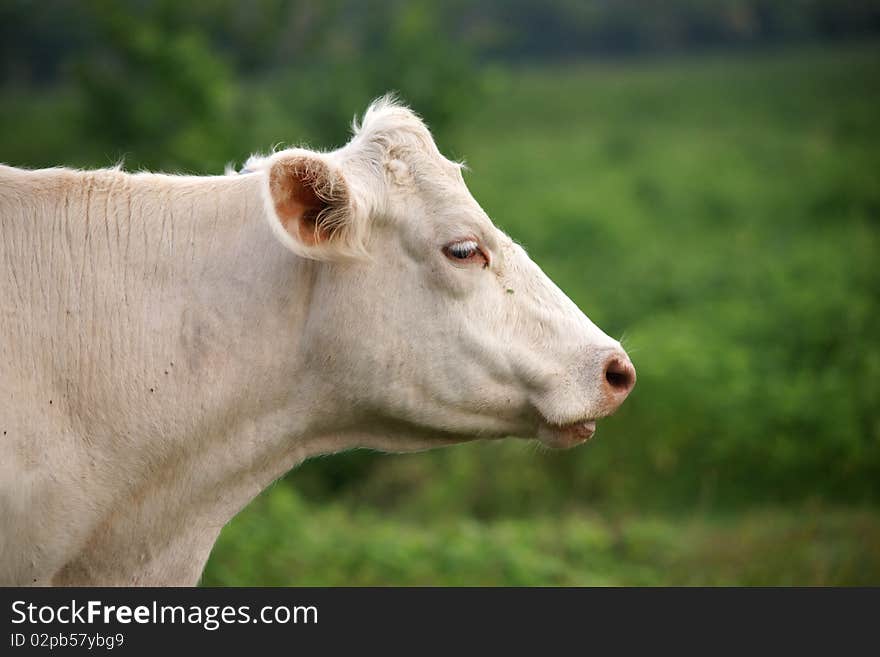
[465, 251]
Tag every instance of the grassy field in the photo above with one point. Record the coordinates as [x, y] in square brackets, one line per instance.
[721, 215]
[281, 540]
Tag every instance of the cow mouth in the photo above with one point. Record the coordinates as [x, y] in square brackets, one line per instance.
[564, 436]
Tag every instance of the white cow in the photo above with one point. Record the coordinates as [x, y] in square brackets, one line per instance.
[170, 345]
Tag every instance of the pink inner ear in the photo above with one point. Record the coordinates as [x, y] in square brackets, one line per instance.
[297, 204]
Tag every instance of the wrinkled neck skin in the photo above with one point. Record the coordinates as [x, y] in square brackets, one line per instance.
[166, 385]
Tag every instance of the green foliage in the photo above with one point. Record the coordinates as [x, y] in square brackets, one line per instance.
[161, 92]
[167, 85]
[563, 28]
[283, 541]
[401, 47]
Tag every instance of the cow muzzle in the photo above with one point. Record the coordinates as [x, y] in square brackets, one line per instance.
[618, 377]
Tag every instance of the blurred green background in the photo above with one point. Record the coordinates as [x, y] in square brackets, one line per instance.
[702, 178]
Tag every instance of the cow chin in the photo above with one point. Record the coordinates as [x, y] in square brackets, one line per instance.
[567, 435]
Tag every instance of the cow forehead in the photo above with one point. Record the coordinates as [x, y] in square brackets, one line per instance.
[450, 208]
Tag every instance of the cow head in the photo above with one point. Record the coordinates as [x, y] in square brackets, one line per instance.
[426, 318]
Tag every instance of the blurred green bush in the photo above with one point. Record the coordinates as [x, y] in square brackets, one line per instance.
[194, 86]
[282, 540]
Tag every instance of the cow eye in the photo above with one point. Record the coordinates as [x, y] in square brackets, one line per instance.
[462, 250]
[465, 251]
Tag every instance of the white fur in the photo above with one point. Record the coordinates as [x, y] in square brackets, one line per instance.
[167, 351]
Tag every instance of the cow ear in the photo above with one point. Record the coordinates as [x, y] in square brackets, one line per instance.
[311, 206]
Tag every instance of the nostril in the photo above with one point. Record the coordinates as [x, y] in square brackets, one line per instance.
[620, 374]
